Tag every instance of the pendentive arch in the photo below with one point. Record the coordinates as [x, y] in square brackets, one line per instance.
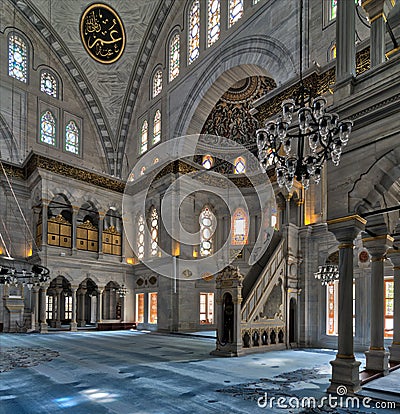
[251, 56]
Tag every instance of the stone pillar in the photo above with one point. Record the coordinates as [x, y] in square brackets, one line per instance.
[377, 357]
[100, 239]
[376, 11]
[345, 368]
[229, 339]
[394, 256]
[345, 43]
[112, 303]
[93, 308]
[288, 197]
[58, 310]
[100, 304]
[74, 325]
[35, 311]
[43, 322]
[82, 307]
[75, 211]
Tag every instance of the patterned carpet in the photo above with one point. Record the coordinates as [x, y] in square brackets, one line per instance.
[18, 357]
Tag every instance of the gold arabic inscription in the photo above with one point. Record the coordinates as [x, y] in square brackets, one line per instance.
[102, 33]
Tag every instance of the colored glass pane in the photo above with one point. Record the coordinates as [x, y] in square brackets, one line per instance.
[144, 137]
[239, 165]
[207, 227]
[214, 21]
[48, 84]
[174, 51]
[154, 231]
[194, 32]
[72, 138]
[140, 237]
[235, 11]
[207, 162]
[48, 128]
[239, 227]
[157, 83]
[157, 127]
[17, 58]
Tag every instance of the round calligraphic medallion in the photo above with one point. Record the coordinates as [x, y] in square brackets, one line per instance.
[102, 33]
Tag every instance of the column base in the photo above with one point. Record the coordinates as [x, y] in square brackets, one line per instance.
[73, 327]
[58, 324]
[43, 328]
[377, 360]
[228, 350]
[395, 353]
[81, 323]
[345, 372]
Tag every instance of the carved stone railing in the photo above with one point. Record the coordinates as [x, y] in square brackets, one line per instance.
[263, 335]
[267, 279]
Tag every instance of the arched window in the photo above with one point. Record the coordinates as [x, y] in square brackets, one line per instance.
[332, 52]
[157, 83]
[174, 58]
[208, 161]
[194, 32]
[154, 231]
[214, 21]
[72, 138]
[239, 165]
[235, 11]
[48, 84]
[207, 227]
[140, 237]
[240, 225]
[144, 137]
[157, 127]
[17, 58]
[332, 9]
[48, 128]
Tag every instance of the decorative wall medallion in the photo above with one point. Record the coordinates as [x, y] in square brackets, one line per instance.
[102, 33]
[363, 256]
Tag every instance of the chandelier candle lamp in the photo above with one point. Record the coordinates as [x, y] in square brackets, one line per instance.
[303, 137]
[327, 274]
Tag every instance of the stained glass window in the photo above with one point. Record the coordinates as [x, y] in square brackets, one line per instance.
[17, 58]
[333, 9]
[174, 51]
[48, 128]
[144, 137]
[207, 228]
[235, 11]
[255, 1]
[157, 127]
[48, 84]
[153, 307]
[333, 52]
[140, 307]
[239, 227]
[214, 21]
[239, 165]
[154, 231]
[206, 308]
[140, 237]
[208, 161]
[389, 307]
[72, 138]
[194, 31]
[157, 83]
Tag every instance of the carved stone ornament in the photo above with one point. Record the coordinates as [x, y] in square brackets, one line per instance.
[230, 273]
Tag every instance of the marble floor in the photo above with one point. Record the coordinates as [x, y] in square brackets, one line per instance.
[140, 372]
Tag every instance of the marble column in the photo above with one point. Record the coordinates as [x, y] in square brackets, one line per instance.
[345, 368]
[100, 305]
[377, 356]
[376, 11]
[394, 256]
[35, 311]
[58, 310]
[82, 307]
[345, 42]
[43, 322]
[74, 325]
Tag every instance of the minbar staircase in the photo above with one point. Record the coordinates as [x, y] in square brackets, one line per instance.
[263, 283]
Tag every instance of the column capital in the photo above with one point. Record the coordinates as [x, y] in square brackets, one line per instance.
[375, 9]
[378, 246]
[347, 228]
[394, 256]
